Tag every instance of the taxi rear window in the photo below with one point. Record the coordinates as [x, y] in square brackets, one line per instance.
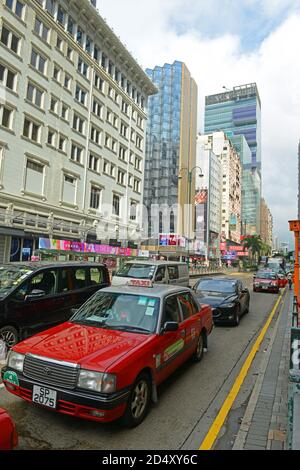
[120, 311]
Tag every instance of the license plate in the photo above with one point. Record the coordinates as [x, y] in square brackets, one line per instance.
[44, 396]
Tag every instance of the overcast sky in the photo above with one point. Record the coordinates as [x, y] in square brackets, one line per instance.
[228, 43]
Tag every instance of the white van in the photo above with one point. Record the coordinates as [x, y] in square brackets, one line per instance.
[159, 272]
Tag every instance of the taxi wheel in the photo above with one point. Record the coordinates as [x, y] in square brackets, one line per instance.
[138, 402]
[9, 335]
[237, 315]
[201, 344]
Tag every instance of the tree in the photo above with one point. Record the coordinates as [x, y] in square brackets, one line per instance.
[255, 245]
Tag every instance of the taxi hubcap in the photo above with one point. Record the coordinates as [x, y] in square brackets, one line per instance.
[139, 399]
[200, 346]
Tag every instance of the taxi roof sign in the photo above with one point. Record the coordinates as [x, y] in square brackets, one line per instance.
[140, 283]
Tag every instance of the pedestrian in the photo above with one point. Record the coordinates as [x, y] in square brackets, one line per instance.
[290, 280]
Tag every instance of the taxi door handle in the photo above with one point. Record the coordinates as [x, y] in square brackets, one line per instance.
[182, 333]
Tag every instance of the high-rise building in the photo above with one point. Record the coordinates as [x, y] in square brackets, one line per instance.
[209, 204]
[231, 169]
[171, 148]
[72, 126]
[266, 224]
[237, 112]
[251, 184]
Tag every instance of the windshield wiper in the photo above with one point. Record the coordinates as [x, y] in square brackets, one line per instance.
[90, 323]
[129, 327]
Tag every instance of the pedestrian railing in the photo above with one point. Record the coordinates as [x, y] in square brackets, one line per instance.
[204, 271]
[293, 430]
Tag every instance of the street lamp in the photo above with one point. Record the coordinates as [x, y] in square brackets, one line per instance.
[190, 179]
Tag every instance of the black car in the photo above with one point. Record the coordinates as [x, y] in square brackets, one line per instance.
[36, 296]
[227, 297]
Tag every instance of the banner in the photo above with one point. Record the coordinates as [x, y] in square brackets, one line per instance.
[68, 245]
[201, 197]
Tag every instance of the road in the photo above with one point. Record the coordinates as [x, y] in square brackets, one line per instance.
[188, 402]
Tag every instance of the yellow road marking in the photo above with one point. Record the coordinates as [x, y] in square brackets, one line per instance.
[213, 432]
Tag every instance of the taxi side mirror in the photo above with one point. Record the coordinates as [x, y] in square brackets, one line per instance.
[170, 326]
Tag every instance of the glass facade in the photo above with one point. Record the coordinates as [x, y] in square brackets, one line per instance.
[238, 112]
[250, 188]
[163, 137]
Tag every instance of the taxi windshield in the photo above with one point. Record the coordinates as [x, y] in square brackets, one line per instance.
[266, 275]
[138, 271]
[11, 277]
[119, 311]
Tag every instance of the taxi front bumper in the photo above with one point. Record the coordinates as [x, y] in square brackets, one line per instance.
[90, 406]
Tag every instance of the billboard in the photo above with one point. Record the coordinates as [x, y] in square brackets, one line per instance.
[171, 239]
[201, 197]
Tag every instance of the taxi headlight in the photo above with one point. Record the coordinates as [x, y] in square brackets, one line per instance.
[15, 361]
[230, 305]
[96, 381]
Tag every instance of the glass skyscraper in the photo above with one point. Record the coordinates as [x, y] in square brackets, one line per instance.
[171, 141]
[237, 112]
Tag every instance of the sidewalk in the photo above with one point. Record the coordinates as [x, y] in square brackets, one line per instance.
[264, 425]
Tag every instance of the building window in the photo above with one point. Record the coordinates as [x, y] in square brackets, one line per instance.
[88, 45]
[59, 44]
[54, 105]
[82, 67]
[80, 95]
[94, 163]
[7, 78]
[51, 139]
[6, 117]
[79, 35]
[41, 30]
[34, 180]
[57, 71]
[139, 142]
[35, 95]
[17, 7]
[96, 54]
[50, 7]
[112, 171]
[62, 141]
[31, 130]
[133, 210]
[125, 107]
[67, 81]
[137, 163]
[76, 153]
[70, 26]
[38, 61]
[69, 189]
[65, 112]
[122, 153]
[104, 61]
[70, 53]
[78, 124]
[96, 135]
[105, 168]
[10, 40]
[136, 185]
[97, 108]
[116, 205]
[123, 130]
[60, 15]
[99, 83]
[121, 177]
[95, 197]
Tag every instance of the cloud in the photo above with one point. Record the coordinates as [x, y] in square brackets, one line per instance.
[169, 30]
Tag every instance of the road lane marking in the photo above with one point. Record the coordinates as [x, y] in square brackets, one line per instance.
[215, 428]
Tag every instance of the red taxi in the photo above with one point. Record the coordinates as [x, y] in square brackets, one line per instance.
[266, 281]
[107, 361]
[8, 433]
